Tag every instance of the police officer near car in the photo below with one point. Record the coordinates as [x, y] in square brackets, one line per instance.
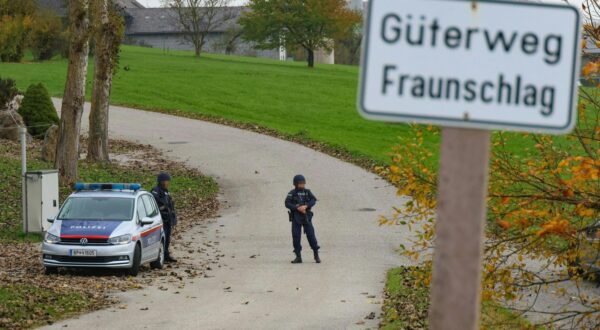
[167, 209]
[300, 202]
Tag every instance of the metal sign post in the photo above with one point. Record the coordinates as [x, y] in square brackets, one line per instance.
[462, 191]
[470, 66]
[23, 138]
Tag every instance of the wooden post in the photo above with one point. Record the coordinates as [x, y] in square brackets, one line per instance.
[458, 256]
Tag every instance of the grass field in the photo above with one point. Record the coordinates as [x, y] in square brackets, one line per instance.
[318, 104]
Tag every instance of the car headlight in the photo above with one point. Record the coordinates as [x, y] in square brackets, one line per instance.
[120, 240]
[51, 239]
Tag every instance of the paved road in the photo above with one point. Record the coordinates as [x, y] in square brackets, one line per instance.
[267, 292]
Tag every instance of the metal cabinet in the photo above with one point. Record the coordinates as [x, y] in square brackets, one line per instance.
[41, 189]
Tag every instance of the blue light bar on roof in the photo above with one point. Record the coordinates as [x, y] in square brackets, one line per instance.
[80, 186]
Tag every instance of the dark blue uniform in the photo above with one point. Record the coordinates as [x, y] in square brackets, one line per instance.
[167, 212]
[296, 198]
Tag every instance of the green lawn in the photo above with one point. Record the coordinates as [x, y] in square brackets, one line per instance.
[285, 96]
[317, 105]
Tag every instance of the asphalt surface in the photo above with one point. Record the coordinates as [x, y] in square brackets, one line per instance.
[256, 287]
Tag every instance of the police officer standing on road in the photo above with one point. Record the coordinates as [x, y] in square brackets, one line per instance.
[300, 202]
[167, 210]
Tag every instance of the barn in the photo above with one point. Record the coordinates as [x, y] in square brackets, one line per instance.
[159, 28]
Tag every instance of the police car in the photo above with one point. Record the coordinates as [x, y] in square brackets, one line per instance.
[106, 226]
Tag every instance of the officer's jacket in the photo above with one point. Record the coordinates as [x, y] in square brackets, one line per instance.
[296, 198]
[165, 205]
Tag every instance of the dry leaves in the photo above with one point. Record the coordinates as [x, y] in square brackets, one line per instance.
[29, 298]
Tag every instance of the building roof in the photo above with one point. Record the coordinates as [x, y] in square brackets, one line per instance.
[60, 6]
[165, 20]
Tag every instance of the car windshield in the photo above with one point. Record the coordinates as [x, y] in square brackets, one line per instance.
[97, 208]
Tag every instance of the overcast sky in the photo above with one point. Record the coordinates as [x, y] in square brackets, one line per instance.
[157, 3]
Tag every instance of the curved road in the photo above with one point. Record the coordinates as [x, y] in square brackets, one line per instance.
[265, 291]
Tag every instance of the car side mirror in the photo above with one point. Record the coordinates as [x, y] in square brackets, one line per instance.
[147, 221]
[51, 220]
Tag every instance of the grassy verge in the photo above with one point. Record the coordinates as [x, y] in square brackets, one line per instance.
[10, 189]
[318, 105]
[285, 99]
[29, 298]
[406, 305]
[19, 302]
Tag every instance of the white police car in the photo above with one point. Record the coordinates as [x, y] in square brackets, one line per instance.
[105, 225]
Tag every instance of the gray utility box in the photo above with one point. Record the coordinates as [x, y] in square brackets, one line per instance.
[41, 189]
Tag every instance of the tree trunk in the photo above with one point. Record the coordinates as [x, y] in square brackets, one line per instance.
[103, 73]
[311, 58]
[67, 150]
[198, 46]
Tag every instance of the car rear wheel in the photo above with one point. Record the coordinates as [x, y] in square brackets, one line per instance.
[160, 260]
[50, 270]
[137, 259]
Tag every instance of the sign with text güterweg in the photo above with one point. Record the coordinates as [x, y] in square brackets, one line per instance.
[484, 64]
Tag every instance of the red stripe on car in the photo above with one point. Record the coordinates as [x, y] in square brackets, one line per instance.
[150, 231]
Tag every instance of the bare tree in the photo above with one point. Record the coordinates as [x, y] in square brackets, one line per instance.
[67, 150]
[108, 35]
[198, 18]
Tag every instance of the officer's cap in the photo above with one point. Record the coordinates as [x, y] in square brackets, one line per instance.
[299, 178]
[163, 176]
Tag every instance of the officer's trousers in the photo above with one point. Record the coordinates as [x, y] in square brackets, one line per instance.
[168, 228]
[310, 235]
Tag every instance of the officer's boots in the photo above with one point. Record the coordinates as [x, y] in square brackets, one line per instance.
[317, 259]
[298, 259]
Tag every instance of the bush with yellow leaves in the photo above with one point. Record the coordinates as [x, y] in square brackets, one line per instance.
[544, 201]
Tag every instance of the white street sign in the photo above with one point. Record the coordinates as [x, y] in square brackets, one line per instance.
[485, 64]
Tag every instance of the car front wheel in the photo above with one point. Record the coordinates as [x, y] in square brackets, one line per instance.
[160, 260]
[137, 259]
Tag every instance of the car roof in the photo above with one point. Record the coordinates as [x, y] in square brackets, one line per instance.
[108, 193]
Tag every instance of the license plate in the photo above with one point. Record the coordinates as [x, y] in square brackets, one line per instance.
[83, 253]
